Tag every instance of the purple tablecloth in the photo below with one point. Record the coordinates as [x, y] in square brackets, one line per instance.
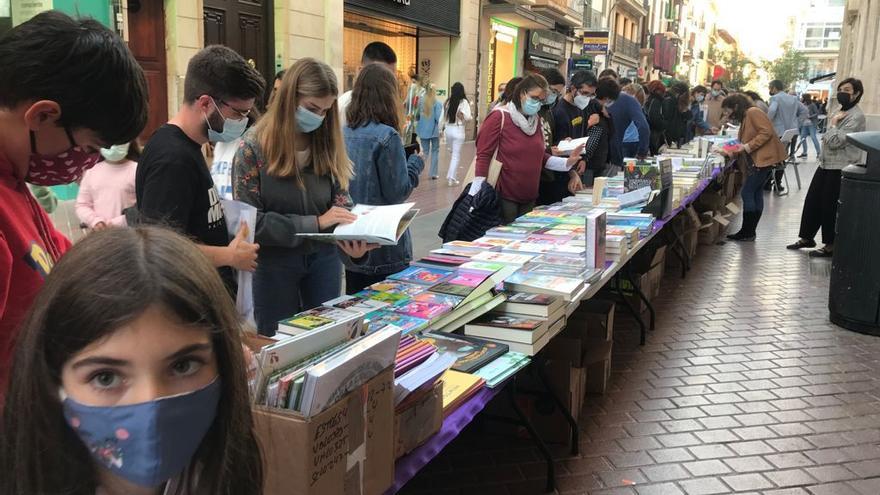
[410, 464]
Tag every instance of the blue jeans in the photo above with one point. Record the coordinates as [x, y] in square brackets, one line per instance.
[287, 283]
[753, 190]
[431, 149]
[809, 131]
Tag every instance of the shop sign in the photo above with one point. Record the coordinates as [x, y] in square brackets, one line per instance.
[577, 64]
[23, 10]
[596, 42]
[632, 73]
[439, 15]
[548, 44]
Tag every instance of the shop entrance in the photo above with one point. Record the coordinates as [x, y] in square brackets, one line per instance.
[503, 49]
[361, 30]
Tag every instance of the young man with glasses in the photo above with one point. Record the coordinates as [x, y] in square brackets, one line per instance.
[174, 185]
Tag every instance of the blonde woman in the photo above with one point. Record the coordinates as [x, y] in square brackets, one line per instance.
[428, 128]
[292, 166]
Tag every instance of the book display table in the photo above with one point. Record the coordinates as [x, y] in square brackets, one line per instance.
[409, 465]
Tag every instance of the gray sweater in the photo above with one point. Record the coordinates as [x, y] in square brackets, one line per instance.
[836, 153]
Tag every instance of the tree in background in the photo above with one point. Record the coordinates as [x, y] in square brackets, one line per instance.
[737, 74]
[791, 67]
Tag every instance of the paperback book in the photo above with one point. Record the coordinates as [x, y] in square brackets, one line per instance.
[470, 353]
[323, 317]
[539, 305]
[422, 275]
[383, 225]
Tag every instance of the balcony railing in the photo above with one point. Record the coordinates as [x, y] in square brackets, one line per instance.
[623, 46]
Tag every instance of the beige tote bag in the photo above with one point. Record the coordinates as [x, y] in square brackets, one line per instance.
[494, 165]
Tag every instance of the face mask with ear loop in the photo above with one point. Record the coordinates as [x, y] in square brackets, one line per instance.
[232, 128]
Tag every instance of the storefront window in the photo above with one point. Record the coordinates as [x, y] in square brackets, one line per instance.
[361, 30]
[503, 51]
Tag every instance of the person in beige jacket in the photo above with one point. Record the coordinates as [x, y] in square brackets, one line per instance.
[761, 148]
[820, 205]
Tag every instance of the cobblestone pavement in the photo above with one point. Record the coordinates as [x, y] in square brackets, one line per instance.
[744, 387]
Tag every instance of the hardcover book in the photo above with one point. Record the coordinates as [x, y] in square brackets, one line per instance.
[471, 353]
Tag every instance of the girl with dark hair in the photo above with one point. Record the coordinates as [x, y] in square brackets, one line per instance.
[761, 149]
[654, 111]
[509, 90]
[456, 113]
[383, 174]
[820, 205]
[108, 188]
[676, 113]
[132, 355]
[510, 135]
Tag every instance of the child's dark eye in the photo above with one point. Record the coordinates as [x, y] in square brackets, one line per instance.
[186, 367]
[105, 380]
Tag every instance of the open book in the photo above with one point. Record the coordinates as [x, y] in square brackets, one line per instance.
[381, 225]
[568, 145]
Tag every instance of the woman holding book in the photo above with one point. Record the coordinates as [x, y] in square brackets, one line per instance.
[132, 356]
[292, 167]
[383, 173]
[761, 149]
[510, 135]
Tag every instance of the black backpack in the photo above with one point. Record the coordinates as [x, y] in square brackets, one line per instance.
[471, 216]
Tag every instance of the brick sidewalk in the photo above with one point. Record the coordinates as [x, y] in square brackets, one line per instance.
[744, 387]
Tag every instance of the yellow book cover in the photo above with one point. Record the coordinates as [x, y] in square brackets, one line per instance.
[458, 386]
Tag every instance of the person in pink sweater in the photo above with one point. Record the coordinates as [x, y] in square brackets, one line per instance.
[511, 133]
[108, 188]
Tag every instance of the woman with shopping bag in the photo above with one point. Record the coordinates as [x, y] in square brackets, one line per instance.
[511, 152]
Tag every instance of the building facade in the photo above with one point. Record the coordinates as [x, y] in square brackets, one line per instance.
[859, 54]
[627, 20]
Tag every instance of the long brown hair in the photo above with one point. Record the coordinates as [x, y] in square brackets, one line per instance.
[375, 99]
[277, 131]
[738, 104]
[107, 280]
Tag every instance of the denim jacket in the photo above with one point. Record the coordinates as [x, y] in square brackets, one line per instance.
[429, 127]
[382, 176]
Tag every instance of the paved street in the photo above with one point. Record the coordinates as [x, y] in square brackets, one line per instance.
[744, 387]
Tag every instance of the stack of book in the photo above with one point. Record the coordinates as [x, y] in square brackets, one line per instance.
[616, 247]
[642, 221]
[308, 372]
[417, 367]
[567, 288]
[525, 322]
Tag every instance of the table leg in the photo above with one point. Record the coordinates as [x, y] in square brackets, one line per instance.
[632, 311]
[638, 290]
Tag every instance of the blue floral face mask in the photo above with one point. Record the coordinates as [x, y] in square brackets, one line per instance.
[147, 443]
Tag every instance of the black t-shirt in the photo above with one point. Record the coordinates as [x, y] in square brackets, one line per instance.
[174, 187]
[570, 121]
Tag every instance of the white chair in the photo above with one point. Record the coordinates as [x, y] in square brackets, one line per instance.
[786, 139]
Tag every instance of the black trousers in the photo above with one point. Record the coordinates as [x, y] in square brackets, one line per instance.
[356, 282]
[511, 210]
[820, 206]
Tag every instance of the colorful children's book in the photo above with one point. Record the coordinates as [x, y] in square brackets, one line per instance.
[408, 324]
[397, 287]
[494, 241]
[422, 275]
[320, 318]
[510, 232]
[427, 305]
[471, 353]
[473, 247]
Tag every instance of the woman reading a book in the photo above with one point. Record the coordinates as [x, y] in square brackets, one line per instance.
[130, 377]
[509, 135]
[384, 173]
[292, 166]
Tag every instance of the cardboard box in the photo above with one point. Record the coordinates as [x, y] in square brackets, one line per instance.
[596, 317]
[417, 420]
[346, 449]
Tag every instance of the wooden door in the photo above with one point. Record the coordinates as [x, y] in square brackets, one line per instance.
[146, 29]
[246, 27]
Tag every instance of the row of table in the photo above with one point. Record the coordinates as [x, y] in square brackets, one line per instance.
[409, 465]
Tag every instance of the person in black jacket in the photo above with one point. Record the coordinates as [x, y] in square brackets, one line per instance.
[676, 113]
[601, 129]
[654, 110]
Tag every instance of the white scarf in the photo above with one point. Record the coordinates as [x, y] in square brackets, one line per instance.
[527, 124]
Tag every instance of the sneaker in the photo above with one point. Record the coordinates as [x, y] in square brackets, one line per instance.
[802, 156]
[453, 182]
[435, 177]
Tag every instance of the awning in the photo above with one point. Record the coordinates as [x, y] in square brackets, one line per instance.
[518, 16]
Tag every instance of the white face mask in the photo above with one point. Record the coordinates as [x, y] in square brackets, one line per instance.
[581, 101]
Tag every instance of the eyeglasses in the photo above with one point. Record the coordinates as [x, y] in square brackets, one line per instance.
[243, 113]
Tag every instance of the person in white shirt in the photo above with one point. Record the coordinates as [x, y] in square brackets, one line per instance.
[374, 53]
[456, 112]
